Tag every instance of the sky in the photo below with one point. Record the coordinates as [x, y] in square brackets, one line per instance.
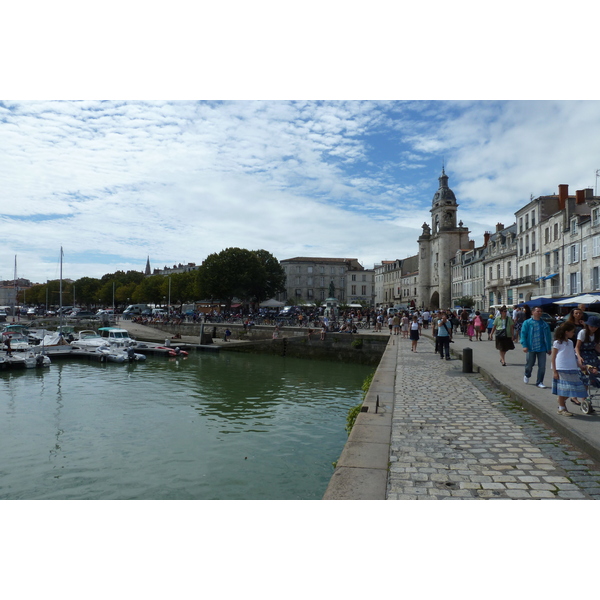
[327, 147]
[113, 182]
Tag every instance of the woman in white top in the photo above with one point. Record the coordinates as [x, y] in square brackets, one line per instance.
[415, 333]
[566, 382]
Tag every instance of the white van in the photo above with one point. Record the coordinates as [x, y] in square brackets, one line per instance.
[135, 309]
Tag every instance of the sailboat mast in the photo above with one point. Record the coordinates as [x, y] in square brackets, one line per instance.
[60, 302]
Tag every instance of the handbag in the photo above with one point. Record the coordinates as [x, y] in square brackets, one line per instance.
[500, 333]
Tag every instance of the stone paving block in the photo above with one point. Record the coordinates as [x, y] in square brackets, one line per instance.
[518, 494]
[473, 439]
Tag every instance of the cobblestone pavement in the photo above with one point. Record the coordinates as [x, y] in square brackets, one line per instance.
[455, 436]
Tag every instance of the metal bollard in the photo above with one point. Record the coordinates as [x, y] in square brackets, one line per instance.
[467, 359]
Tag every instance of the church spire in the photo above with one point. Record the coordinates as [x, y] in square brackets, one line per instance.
[148, 266]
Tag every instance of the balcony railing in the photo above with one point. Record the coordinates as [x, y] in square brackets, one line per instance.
[528, 279]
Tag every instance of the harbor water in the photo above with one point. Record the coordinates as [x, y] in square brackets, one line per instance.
[212, 426]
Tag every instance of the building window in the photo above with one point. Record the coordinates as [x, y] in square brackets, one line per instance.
[526, 221]
[353, 277]
[521, 225]
[555, 231]
[595, 278]
[364, 290]
[309, 280]
[310, 269]
[298, 293]
[353, 290]
[533, 242]
[533, 218]
[596, 216]
[491, 273]
[309, 294]
[596, 246]
[509, 269]
[547, 235]
[574, 227]
[575, 281]
[574, 253]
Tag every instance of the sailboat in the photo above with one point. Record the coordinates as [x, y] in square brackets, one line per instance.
[57, 339]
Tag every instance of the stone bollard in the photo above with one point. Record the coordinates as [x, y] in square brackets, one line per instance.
[467, 359]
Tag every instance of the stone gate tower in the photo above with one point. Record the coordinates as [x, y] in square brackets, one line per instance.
[437, 246]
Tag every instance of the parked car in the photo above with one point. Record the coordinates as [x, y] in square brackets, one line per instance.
[83, 314]
[550, 319]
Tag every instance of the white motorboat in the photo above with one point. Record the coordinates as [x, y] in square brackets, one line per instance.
[116, 336]
[29, 360]
[114, 354]
[88, 339]
[111, 354]
[18, 340]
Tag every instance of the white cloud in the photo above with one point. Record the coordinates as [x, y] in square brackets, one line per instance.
[180, 180]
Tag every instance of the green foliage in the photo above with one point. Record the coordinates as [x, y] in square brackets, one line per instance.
[465, 302]
[252, 275]
[351, 418]
[353, 412]
[358, 344]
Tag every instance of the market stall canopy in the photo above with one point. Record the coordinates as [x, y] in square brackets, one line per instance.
[582, 299]
[542, 301]
[272, 303]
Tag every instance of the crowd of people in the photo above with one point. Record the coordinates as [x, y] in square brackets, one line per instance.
[573, 347]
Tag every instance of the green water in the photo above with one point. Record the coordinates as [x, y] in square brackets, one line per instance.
[213, 426]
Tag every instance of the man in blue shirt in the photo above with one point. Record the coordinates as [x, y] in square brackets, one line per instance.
[536, 340]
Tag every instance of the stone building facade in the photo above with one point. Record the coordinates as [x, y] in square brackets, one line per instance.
[438, 245]
[308, 280]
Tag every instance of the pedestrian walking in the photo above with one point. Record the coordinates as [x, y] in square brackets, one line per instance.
[444, 337]
[415, 333]
[587, 342]
[478, 325]
[503, 328]
[490, 326]
[405, 324]
[566, 382]
[396, 324]
[536, 340]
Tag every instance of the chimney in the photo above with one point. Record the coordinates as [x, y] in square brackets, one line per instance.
[580, 197]
[563, 194]
[471, 244]
[499, 227]
[486, 238]
[589, 193]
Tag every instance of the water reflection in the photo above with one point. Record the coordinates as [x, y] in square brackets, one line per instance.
[212, 426]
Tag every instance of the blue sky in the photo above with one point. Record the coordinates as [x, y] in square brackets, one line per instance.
[115, 181]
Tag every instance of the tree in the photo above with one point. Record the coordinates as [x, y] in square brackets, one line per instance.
[231, 273]
[273, 280]
[465, 302]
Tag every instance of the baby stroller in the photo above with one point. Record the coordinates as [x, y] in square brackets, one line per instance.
[591, 378]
